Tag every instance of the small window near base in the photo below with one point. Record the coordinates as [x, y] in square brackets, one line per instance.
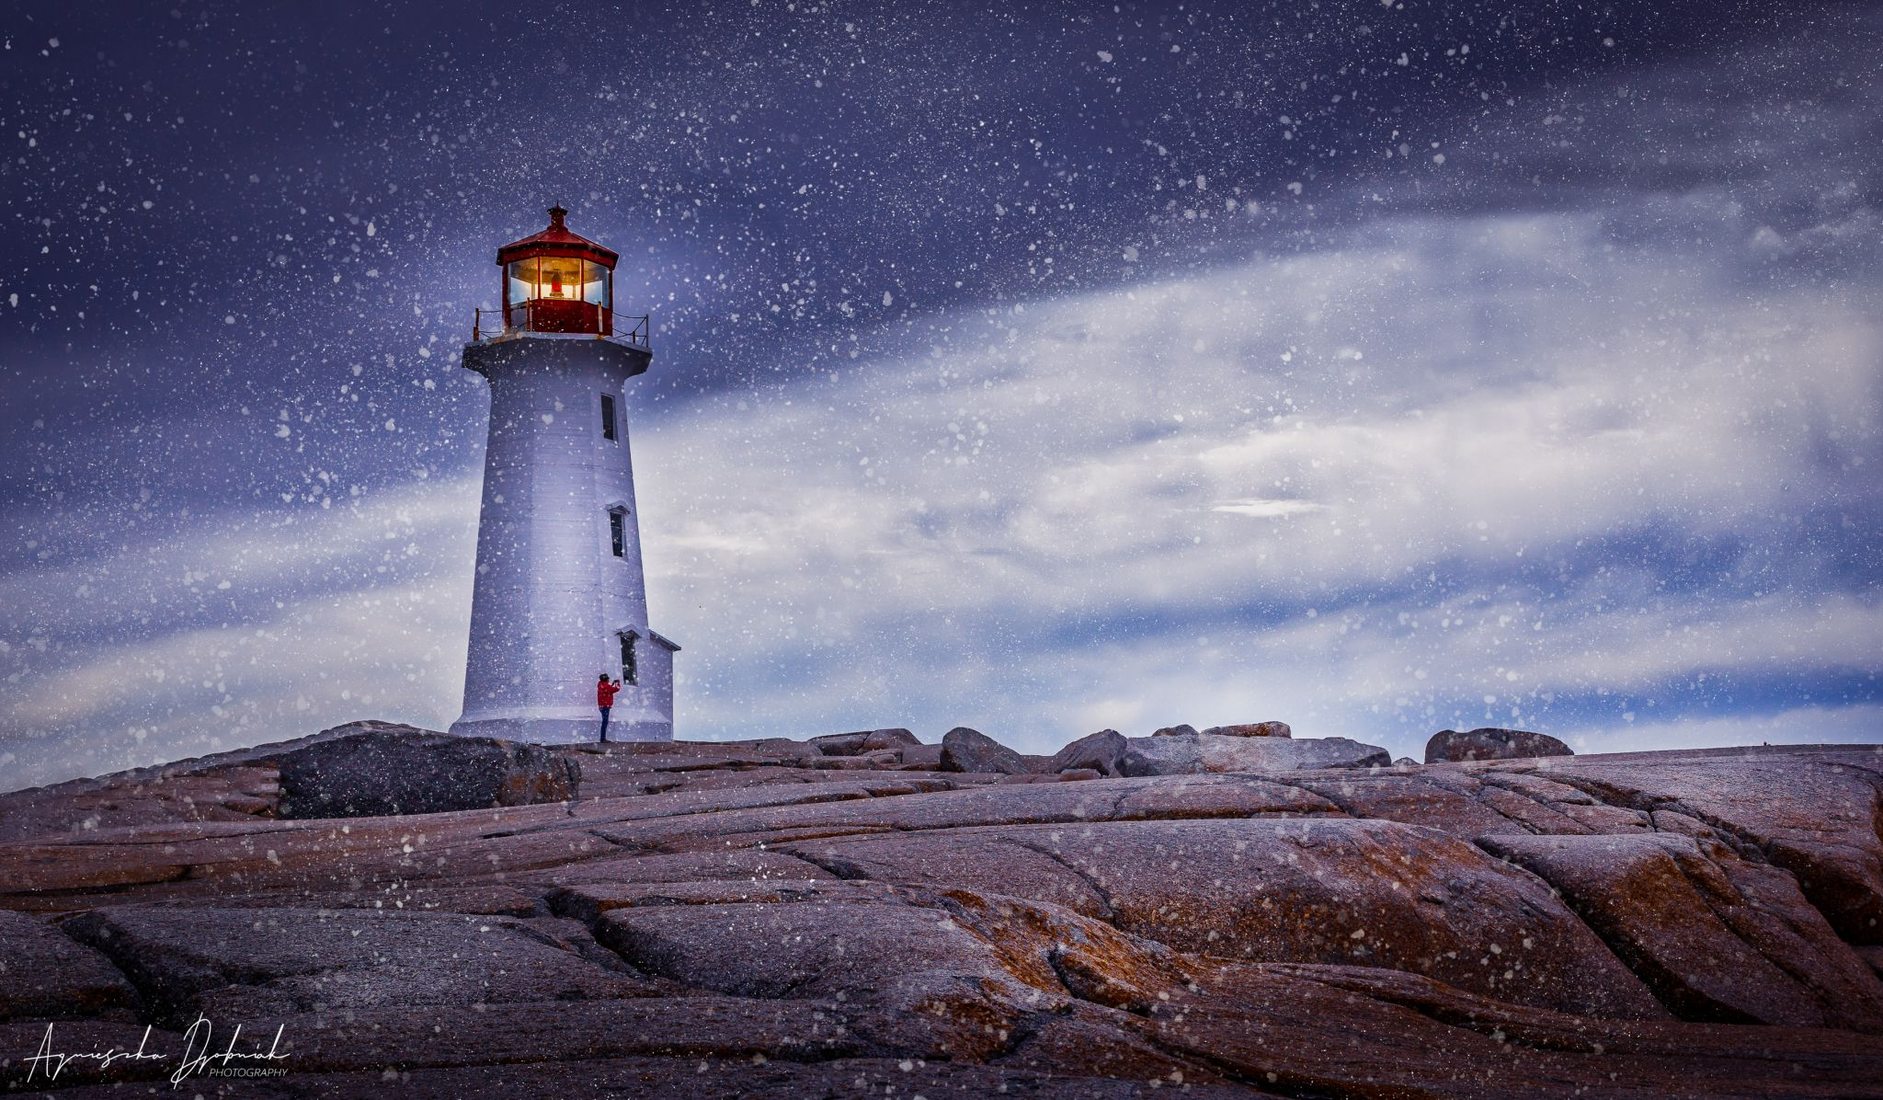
[608, 416]
[628, 671]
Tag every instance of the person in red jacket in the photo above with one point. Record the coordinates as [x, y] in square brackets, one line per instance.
[605, 690]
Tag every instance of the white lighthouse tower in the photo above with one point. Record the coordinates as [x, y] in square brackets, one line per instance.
[559, 597]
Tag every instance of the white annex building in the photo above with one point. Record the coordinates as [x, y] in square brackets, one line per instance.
[559, 597]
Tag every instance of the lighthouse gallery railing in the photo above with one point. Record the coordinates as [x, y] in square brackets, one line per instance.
[488, 323]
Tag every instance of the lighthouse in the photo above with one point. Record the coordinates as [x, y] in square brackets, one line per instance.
[559, 597]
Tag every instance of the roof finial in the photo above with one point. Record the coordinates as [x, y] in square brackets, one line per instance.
[556, 214]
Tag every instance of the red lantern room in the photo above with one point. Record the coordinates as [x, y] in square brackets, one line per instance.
[557, 281]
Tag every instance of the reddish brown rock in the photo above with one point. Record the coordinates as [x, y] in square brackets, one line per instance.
[1286, 891]
[761, 919]
[1716, 938]
[1251, 729]
[1815, 811]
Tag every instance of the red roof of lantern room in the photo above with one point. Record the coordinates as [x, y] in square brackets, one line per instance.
[557, 241]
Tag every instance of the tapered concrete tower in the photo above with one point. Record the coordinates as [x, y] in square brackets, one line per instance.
[559, 596]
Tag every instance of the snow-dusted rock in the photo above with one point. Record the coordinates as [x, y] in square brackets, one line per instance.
[1491, 743]
[1190, 755]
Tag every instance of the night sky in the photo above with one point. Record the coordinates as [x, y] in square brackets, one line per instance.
[1377, 367]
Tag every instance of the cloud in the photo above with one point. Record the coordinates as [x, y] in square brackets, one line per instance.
[1265, 509]
[1043, 520]
[1603, 466]
[1561, 494]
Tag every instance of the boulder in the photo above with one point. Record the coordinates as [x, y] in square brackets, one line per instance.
[1405, 762]
[1251, 729]
[966, 750]
[1102, 752]
[1171, 754]
[1274, 754]
[380, 774]
[895, 738]
[1491, 743]
[839, 744]
[863, 741]
[1181, 755]
[1172, 731]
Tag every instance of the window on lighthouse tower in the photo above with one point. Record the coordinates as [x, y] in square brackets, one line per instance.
[608, 416]
[618, 530]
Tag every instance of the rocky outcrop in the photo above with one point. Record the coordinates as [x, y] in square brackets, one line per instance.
[765, 918]
[966, 750]
[1282, 891]
[397, 772]
[1180, 754]
[1717, 938]
[1491, 743]
[1172, 731]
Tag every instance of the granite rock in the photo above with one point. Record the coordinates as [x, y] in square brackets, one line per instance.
[385, 773]
[1491, 743]
[966, 750]
[761, 919]
[1180, 754]
[1102, 752]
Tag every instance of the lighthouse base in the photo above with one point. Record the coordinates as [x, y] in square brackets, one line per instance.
[563, 728]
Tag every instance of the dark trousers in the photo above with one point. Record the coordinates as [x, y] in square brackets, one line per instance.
[605, 723]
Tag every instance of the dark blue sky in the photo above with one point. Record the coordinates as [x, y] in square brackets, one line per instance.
[1304, 270]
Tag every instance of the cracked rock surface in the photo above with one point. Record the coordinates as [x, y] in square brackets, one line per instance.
[841, 917]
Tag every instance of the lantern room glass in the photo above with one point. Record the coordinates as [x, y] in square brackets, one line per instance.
[559, 278]
[595, 284]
